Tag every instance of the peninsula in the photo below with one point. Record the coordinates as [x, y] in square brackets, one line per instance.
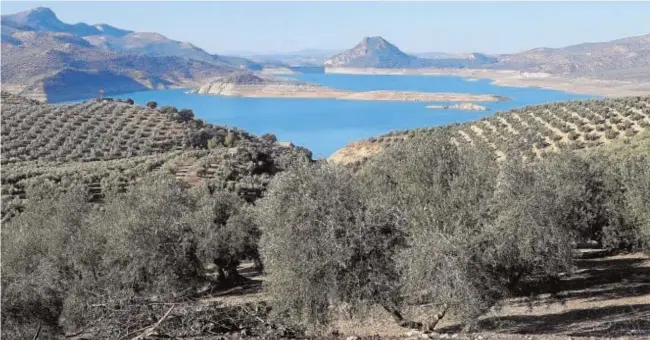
[247, 84]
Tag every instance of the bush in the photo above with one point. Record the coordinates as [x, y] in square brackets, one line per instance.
[213, 143]
[269, 137]
[152, 104]
[230, 139]
[324, 246]
[573, 135]
[184, 115]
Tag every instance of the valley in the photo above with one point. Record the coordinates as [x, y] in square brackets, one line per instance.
[154, 187]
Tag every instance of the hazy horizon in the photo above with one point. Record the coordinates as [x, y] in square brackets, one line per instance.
[271, 28]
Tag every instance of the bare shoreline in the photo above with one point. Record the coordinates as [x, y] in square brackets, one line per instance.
[599, 87]
[311, 91]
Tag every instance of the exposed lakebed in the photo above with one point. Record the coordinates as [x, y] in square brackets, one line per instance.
[325, 125]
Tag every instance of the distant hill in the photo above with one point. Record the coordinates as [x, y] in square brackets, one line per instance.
[376, 52]
[47, 59]
[623, 59]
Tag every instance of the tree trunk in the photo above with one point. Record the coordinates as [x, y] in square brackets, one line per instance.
[399, 319]
[436, 318]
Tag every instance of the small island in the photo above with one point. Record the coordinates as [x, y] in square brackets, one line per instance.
[247, 84]
[459, 106]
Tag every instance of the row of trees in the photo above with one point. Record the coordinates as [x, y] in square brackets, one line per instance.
[430, 226]
[68, 265]
[438, 225]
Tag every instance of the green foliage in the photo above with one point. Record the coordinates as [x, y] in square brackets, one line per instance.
[269, 137]
[325, 246]
[230, 140]
[225, 231]
[213, 143]
[60, 256]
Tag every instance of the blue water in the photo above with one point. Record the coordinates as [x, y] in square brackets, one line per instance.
[325, 125]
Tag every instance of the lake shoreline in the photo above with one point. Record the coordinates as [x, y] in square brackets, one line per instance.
[299, 90]
[513, 78]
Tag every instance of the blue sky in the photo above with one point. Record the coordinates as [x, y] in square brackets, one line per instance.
[223, 27]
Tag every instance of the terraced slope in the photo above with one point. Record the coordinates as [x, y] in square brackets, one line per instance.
[103, 147]
[88, 131]
[532, 130]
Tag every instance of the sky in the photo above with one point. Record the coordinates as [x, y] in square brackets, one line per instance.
[272, 27]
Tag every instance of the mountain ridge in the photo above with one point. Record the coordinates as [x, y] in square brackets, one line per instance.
[38, 49]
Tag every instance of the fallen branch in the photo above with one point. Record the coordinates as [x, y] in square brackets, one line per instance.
[38, 332]
[397, 316]
[150, 329]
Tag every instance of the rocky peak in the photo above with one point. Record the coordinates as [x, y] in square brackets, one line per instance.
[39, 18]
[371, 52]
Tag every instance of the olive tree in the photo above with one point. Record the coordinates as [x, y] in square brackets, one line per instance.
[225, 231]
[476, 228]
[46, 252]
[326, 247]
[636, 178]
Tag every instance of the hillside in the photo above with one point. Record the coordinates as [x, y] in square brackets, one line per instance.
[105, 145]
[157, 45]
[622, 59]
[532, 130]
[39, 50]
[376, 52]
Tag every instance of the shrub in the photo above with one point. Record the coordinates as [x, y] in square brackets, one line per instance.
[573, 135]
[269, 137]
[230, 139]
[184, 115]
[213, 143]
[152, 104]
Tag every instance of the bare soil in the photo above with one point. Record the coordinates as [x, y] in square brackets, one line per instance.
[607, 297]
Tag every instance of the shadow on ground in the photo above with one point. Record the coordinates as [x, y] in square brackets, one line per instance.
[612, 290]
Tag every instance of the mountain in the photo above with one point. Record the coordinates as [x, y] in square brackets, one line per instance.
[376, 52]
[624, 59]
[373, 52]
[43, 19]
[47, 59]
[155, 45]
